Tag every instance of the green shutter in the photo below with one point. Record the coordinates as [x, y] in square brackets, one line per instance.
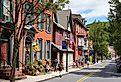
[12, 11]
[37, 26]
[1, 8]
[49, 28]
[43, 49]
[42, 24]
[46, 23]
[46, 50]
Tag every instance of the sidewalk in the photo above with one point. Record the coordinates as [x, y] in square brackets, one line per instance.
[47, 76]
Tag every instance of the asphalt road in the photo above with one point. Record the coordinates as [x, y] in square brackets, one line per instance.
[102, 72]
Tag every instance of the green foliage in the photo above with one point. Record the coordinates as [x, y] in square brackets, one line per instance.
[37, 66]
[115, 25]
[99, 35]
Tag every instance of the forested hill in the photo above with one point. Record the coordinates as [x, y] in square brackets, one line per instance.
[99, 35]
[100, 24]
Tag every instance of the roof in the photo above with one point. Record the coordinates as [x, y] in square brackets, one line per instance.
[79, 18]
[64, 18]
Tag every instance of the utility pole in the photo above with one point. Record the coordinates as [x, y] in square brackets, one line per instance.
[67, 48]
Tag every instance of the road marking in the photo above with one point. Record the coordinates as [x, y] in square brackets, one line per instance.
[85, 77]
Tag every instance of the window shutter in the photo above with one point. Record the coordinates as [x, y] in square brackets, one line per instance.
[1, 8]
[38, 18]
[46, 49]
[46, 23]
[49, 29]
[43, 49]
[40, 48]
[12, 11]
[50, 50]
[42, 18]
[37, 55]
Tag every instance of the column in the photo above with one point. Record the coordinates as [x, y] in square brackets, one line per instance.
[11, 49]
[24, 49]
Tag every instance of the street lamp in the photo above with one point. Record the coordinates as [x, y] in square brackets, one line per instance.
[67, 47]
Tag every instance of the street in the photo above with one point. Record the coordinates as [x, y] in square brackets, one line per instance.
[102, 72]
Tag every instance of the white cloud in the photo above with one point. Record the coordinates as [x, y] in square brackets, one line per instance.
[98, 7]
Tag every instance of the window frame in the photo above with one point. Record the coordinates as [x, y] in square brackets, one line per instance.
[40, 25]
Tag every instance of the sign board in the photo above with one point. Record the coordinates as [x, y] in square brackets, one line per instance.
[64, 46]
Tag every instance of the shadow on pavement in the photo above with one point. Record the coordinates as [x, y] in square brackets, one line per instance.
[108, 71]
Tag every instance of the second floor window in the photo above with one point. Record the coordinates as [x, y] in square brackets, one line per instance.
[40, 22]
[59, 36]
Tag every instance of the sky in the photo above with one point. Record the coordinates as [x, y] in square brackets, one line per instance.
[91, 10]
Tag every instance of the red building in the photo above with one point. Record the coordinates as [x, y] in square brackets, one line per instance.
[39, 33]
[80, 37]
[62, 37]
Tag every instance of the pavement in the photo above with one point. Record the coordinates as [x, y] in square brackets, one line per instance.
[47, 76]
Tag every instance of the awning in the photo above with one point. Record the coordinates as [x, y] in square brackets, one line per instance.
[60, 48]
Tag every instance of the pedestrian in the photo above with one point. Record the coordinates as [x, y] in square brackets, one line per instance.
[55, 65]
[60, 67]
[82, 62]
[87, 63]
[47, 67]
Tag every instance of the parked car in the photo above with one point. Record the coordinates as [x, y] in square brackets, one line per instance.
[118, 65]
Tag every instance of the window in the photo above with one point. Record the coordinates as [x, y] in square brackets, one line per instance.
[40, 23]
[47, 49]
[48, 26]
[59, 35]
[1, 9]
[41, 47]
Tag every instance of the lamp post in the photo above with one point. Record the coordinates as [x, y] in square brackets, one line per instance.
[67, 47]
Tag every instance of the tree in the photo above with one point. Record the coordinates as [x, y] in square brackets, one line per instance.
[99, 36]
[114, 18]
[24, 13]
